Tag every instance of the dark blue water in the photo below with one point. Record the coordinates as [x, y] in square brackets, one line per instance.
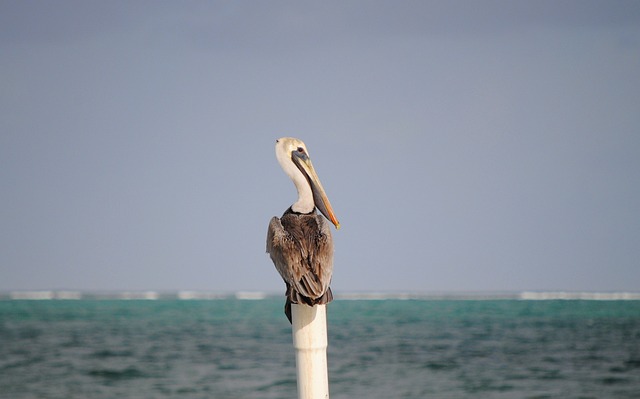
[378, 349]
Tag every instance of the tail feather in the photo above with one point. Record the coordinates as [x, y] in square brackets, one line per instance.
[287, 310]
[325, 298]
[294, 297]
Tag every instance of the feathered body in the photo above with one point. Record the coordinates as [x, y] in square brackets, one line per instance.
[300, 243]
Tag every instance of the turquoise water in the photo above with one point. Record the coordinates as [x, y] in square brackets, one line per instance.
[233, 348]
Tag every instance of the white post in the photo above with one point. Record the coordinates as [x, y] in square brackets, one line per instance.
[309, 325]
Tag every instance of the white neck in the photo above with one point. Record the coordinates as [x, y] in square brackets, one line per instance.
[305, 203]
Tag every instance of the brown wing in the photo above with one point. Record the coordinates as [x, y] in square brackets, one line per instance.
[301, 248]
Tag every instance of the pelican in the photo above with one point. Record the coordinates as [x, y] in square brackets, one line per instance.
[299, 243]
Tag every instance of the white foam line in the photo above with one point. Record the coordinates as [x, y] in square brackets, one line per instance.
[591, 296]
[149, 295]
[188, 295]
[32, 295]
[250, 295]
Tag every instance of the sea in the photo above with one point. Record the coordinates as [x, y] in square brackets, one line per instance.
[240, 346]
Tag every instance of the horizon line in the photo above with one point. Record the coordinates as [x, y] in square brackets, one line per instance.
[353, 295]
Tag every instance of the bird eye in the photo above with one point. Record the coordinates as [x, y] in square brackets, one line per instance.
[300, 149]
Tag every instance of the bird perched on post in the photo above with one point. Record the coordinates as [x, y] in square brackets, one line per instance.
[299, 243]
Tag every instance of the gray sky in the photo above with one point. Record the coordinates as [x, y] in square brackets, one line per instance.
[465, 145]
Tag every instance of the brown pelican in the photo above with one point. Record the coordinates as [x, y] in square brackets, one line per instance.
[300, 243]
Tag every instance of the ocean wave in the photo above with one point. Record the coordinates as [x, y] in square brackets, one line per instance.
[187, 295]
[115, 374]
[45, 295]
[251, 295]
[591, 296]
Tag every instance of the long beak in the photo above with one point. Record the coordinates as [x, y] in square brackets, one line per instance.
[303, 162]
